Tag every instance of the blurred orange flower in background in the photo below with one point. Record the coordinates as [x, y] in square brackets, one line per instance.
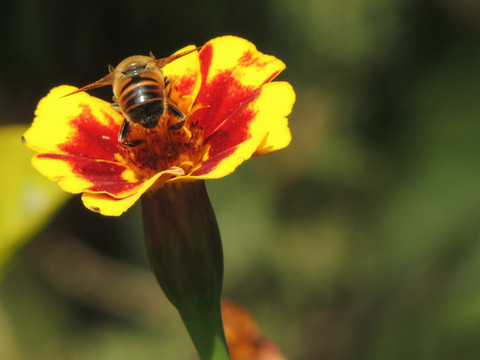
[244, 338]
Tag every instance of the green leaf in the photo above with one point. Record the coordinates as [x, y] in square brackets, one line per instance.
[27, 198]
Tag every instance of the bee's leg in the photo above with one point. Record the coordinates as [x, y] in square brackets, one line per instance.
[178, 114]
[115, 105]
[132, 143]
[123, 133]
[168, 88]
[123, 130]
[172, 109]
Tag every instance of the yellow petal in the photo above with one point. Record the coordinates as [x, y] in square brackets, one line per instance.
[108, 205]
[184, 74]
[223, 164]
[240, 56]
[62, 172]
[52, 127]
[267, 131]
[272, 107]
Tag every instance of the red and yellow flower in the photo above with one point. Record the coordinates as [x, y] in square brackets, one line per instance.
[234, 111]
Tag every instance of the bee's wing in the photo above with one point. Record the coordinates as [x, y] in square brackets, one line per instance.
[164, 61]
[107, 80]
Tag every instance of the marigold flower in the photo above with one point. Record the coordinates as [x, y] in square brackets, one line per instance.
[234, 111]
[244, 337]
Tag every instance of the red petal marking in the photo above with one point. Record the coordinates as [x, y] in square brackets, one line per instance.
[92, 139]
[105, 176]
[205, 57]
[224, 141]
[224, 93]
[247, 59]
[211, 163]
[226, 118]
[185, 84]
[90, 151]
[250, 59]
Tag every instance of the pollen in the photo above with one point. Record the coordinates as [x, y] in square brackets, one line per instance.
[164, 148]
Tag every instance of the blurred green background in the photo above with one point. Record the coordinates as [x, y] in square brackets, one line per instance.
[359, 241]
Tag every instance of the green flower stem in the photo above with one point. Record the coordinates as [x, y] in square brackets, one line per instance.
[185, 252]
[206, 331]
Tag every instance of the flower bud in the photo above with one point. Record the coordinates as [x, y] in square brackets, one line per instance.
[185, 252]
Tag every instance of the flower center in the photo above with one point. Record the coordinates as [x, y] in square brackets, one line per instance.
[165, 149]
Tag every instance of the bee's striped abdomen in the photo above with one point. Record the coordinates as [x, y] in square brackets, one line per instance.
[142, 100]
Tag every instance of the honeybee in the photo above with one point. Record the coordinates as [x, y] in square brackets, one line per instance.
[140, 95]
